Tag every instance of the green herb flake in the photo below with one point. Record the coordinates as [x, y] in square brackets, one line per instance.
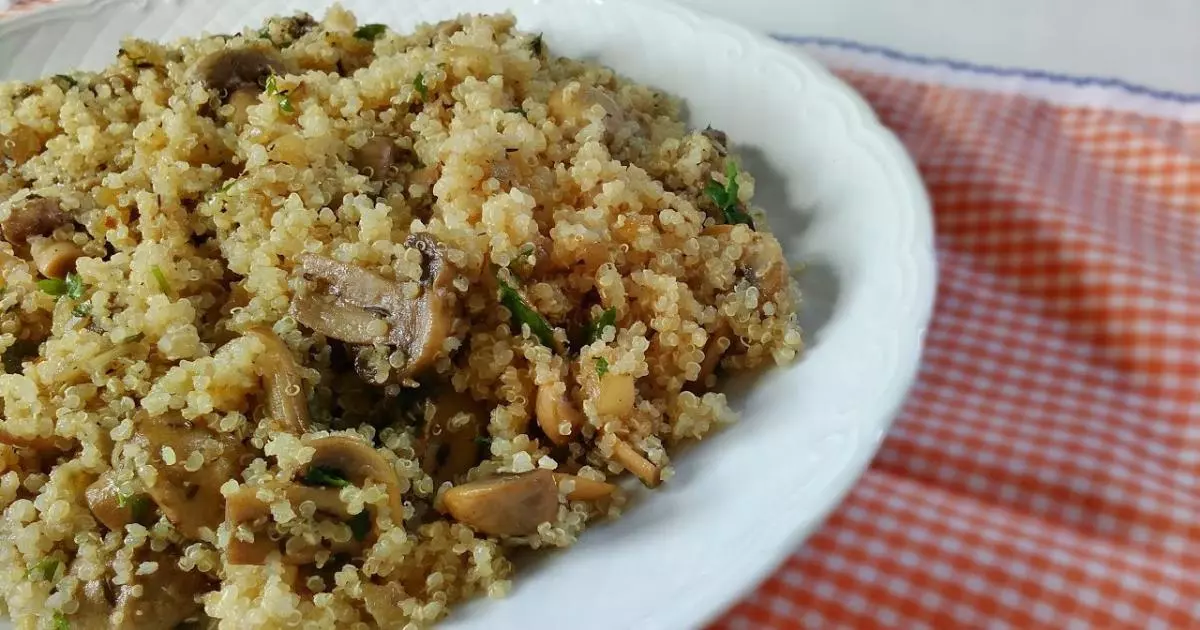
[138, 504]
[66, 79]
[225, 188]
[325, 476]
[360, 525]
[726, 197]
[161, 279]
[537, 45]
[83, 309]
[74, 284]
[281, 96]
[52, 286]
[370, 32]
[483, 441]
[134, 338]
[60, 622]
[601, 366]
[596, 328]
[264, 32]
[44, 570]
[524, 313]
[515, 110]
[420, 87]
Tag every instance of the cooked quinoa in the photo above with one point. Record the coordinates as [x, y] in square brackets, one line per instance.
[313, 324]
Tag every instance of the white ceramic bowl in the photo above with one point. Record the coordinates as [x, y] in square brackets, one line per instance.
[843, 198]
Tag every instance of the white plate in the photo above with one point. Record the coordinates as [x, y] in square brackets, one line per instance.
[841, 194]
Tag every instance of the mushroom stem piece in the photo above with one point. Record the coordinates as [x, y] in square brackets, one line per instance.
[279, 370]
[627, 456]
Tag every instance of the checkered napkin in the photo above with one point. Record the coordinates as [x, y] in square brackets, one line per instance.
[1045, 472]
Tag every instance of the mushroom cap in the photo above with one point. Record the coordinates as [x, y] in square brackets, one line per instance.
[189, 499]
[359, 462]
[35, 216]
[513, 505]
[231, 69]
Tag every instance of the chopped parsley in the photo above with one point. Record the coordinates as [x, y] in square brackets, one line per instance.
[60, 622]
[360, 525]
[66, 79]
[264, 32]
[601, 366]
[483, 441]
[325, 476]
[134, 338]
[420, 87]
[370, 32]
[524, 313]
[44, 570]
[726, 197]
[596, 328]
[161, 279]
[515, 110]
[75, 286]
[138, 504]
[280, 96]
[53, 286]
[83, 309]
[226, 186]
[537, 45]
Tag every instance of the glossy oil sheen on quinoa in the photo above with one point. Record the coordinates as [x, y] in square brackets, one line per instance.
[314, 324]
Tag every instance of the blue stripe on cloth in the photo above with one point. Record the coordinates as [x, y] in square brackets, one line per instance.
[966, 66]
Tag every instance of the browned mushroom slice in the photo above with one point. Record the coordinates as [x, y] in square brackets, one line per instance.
[113, 509]
[376, 157]
[35, 216]
[714, 349]
[558, 417]
[229, 70]
[584, 489]
[189, 499]
[95, 607]
[359, 300]
[450, 446]
[245, 508]
[54, 259]
[357, 462]
[278, 369]
[513, 505]
[166, 597]
[625, 455]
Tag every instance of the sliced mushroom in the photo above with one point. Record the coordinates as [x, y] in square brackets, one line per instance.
[719, 139]
[105, 501]
[358, 462]
[584, 489]
[95, 607]
[714, 349]
[35, 216]
[570, 103]
[625, 455]
[615, 395]
[363, 308]
[449, 445]
[244, 507]
[558, 417]
[377, 156]
[191, 500]
[278, 369]
[54, 259]
[762, 263]
[514, 505]
[229, 70]
[167, 596]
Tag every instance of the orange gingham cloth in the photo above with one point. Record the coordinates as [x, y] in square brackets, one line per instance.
[1045, 472]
